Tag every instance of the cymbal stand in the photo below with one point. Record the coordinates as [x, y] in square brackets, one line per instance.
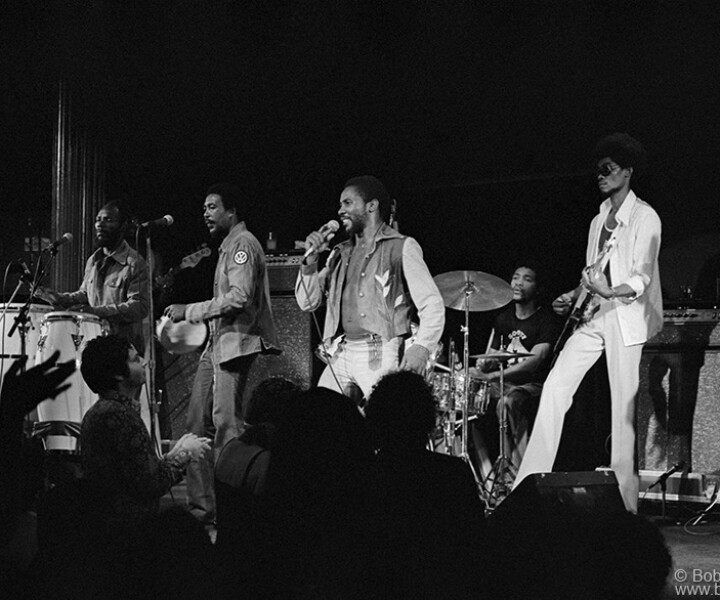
[470, 289]
[503, 473]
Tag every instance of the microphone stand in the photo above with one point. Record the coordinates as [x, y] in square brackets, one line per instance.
[153, 403]
[662, 482]
[663, 491]
[21, 321]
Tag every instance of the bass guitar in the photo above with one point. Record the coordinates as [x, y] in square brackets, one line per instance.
[587, 303]
[189, 262]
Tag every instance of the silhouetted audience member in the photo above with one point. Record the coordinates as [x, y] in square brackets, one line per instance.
[253, 514]
[328, 470]
[21, 392]
[172, 558]
[86, 529]
[428, 516]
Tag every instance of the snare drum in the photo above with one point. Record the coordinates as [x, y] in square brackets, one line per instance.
[59, 419]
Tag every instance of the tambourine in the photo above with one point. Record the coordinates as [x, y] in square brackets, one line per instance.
[181, 337]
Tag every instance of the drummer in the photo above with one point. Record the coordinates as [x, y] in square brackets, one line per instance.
[114, 286]
[525, 327]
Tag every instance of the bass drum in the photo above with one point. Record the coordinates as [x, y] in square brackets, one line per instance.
[58, 420]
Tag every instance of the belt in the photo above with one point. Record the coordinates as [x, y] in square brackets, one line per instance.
[358, 337]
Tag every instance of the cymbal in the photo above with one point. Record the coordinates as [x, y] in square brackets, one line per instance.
[482, 290]
[502, 355]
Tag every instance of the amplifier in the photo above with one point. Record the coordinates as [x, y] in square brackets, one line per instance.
[688, 328]
[282, 271]
[691, 315]
[678, 411]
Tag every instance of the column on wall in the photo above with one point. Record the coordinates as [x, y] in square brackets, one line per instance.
[78, 189]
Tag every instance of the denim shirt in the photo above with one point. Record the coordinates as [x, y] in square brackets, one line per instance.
[394, 286]
[121, 297]
[239, 316]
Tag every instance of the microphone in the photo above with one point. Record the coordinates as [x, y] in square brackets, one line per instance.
[328, 232]
[20, 266]
[165, 221]
[674, 469]
[66, 237]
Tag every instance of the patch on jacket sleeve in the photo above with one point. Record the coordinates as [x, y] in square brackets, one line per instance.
[241, 257]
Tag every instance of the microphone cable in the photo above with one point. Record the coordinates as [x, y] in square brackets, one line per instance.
[323, 347]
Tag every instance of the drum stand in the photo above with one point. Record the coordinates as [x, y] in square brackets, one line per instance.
[503, 472]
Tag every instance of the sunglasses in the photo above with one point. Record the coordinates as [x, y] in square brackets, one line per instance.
[607, 169]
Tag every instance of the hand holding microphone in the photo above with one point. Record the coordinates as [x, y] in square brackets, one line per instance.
[317, 241]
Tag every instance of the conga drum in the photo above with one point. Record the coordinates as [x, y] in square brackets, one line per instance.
[11, 346]
[59, 419]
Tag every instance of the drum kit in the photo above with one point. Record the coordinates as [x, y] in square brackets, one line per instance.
[461, 397]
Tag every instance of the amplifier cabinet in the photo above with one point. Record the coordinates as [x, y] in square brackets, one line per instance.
[678, 408]
[282, 272]
[297, 337]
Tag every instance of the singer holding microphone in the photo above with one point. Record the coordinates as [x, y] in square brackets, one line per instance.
[114, 286]
[375, 283]
[241, 326]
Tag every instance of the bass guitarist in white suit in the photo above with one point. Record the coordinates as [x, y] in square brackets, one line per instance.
[617, 308]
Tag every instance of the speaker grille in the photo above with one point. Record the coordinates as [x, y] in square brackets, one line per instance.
[297, 337]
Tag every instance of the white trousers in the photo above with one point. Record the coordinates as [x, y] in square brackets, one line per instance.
[360, 362]
[580, 353]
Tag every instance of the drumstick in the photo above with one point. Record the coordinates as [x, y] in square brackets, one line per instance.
[490, 341]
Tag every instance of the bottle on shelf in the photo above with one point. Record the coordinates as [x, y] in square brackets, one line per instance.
[271, 243]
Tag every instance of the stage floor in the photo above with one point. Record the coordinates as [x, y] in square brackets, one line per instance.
[695, 553]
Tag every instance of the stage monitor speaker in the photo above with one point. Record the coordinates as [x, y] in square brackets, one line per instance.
[545, 495]
[568, 535]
